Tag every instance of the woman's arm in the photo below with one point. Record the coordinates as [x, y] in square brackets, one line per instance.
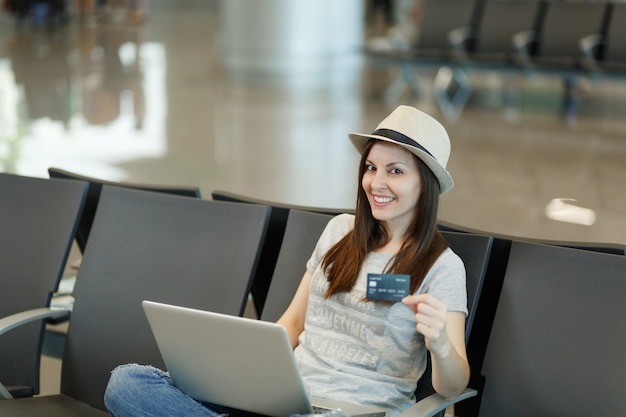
[444, 335]
[293, 318]
[450, 367]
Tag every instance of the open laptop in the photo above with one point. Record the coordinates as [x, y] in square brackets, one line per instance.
[236, 362]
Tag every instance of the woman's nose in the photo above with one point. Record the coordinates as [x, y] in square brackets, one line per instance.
[379, 181]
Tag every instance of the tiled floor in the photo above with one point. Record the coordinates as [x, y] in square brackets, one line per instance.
[154, 103]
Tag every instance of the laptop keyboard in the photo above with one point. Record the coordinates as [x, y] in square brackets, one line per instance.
[321, 410]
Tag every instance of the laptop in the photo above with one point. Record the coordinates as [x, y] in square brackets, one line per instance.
[236, 362]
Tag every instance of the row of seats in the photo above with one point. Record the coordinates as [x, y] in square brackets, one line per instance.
[547, 33]
[493, 262]
[569, 38]
[142, 245]
[540, 334]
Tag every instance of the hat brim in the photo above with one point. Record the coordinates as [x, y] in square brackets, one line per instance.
[359, 141]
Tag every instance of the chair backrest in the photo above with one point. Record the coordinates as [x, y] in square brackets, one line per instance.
[38, 218]
[557, 346]
[273, 239]
[486, 309]
[605, 247]
[301, 235]
[93, 195]
[143, 245]
[614, 50]
[222, 195]
[500, 20]
[302, 231]
[439, 17]
[475, 251]
[564, 24]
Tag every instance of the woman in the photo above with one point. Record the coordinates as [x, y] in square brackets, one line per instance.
[348, 347]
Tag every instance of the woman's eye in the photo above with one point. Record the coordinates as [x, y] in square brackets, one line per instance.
[370, 167]
[396, 171]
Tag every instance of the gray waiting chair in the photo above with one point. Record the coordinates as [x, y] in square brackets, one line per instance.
[489, 43]
[273, 239]
[143, 245]
[490, 293]
[93, 196]
[604, 51]
[557, 343]
[302, 231]
[553, 45]
[38, 218]
[438, 20]
[432, 49]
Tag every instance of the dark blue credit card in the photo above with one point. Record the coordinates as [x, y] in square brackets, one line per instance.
[387, 287]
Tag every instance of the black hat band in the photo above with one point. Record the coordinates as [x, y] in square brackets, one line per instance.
[401, 138]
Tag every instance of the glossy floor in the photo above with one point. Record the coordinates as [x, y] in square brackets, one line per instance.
[153, 103]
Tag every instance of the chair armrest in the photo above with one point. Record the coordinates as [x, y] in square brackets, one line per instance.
[589, 45]
[459, 40]
[18, 319]
[4, 393]
[459, 37]
[435, 403]
[522, 42]
[15, 320]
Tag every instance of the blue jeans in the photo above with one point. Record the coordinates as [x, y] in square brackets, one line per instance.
[144, 391]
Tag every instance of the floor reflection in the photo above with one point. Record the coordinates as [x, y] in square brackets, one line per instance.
[153, 103]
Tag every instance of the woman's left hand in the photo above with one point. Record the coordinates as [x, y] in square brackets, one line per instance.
[444, 336]
[430, 318]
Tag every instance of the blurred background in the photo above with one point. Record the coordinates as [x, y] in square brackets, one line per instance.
[257, 97]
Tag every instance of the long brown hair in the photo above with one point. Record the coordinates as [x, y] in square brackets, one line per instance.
[423, 243]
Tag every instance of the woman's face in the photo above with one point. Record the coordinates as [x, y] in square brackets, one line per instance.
[392, 183]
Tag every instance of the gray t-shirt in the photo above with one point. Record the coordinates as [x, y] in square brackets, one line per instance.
[366, 352]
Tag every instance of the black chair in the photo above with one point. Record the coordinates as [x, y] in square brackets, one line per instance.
[93, 196]
[302, 231]
[432, 46]
[605, 247]
[475, 251]
[492, 286]
[38, 218]
[432, 49]
[143, 245]
[557, 346]
[273, 240]
[439, 19]
[555, 45]
[604, 52]
[489, 44]
[614, 53]
[222, 195]
[301, 235]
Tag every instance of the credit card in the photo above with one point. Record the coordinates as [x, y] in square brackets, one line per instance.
[387, 287]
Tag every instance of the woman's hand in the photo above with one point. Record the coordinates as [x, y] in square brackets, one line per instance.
[444, 336]
[430, 318]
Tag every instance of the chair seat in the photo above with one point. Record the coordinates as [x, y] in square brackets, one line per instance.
[20, 391]
[49, 406]
[613, 66]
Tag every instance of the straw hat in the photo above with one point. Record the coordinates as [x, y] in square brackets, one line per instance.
[418, 133]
